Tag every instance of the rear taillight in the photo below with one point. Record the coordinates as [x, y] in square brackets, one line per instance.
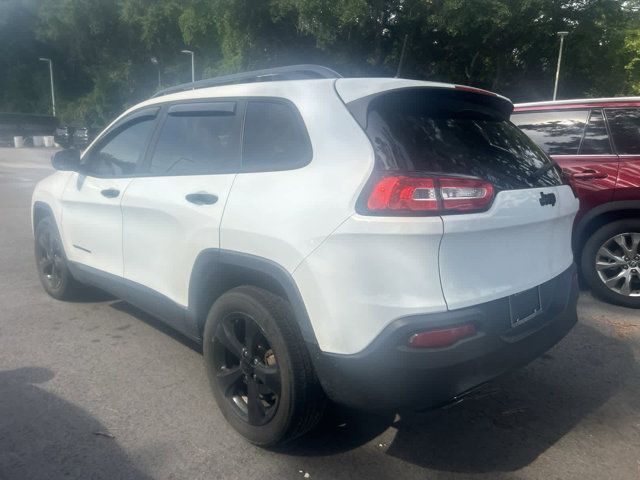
[395, 195]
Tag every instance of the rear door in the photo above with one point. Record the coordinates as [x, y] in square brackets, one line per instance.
[524, 238]
[91, 215]
[579, 141]
[173, 212]
[624, 124]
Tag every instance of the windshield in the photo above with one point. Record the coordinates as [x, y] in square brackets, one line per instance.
[446, 133]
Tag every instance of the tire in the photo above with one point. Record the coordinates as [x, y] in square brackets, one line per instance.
[250, 338]
[51, 262]
[624, 274]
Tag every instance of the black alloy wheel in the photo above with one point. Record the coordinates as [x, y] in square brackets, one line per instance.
[247, 368]
[259, 368]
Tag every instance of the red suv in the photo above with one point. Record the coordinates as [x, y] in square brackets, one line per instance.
[597, 144]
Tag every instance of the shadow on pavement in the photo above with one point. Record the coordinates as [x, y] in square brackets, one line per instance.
[43, 436]
[154, 322]
[507, 424]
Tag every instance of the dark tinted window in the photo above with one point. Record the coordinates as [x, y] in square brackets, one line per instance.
[410, 131]
[596, 138]
[196, 143]
[625, 130]
[274, 137]
[121, 154]
[557, 133]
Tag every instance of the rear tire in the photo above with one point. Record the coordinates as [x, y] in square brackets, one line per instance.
[51, 262]
[259, 368]
[610, 263]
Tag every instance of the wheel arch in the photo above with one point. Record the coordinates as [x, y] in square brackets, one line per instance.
[40, 210]
[601, 215]
[217, 271]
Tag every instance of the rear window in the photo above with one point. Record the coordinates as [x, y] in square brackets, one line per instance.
[557, 133]
[447, 133]
[625, 130]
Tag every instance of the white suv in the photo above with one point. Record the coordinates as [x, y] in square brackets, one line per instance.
[388, 244]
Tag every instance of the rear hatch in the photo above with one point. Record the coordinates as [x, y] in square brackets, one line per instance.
[507, 213]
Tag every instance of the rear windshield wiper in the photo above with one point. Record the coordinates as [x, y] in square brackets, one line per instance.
[542, 170]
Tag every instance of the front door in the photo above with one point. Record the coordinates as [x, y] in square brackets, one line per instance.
[91, 214]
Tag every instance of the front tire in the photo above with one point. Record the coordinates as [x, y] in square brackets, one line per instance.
[611, 263]
[51, 262]
[259, 368]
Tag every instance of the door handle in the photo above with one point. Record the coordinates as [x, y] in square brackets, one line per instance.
[201, 198]
[110, 192]
[588, 174]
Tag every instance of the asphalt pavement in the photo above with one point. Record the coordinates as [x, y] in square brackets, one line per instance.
[96, 389]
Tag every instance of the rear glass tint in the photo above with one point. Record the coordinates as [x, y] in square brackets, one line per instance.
[447, 133]
[625, 129]
[596, 139]
[557, 133]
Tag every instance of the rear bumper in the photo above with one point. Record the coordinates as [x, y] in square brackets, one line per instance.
[389, 375]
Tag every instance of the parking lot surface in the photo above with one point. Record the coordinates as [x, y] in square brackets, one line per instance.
[97, 389]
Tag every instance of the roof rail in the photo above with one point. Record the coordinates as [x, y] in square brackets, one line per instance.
[291, 72]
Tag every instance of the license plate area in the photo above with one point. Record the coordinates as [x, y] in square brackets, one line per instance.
[524, 306]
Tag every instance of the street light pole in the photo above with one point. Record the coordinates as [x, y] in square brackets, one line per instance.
[53, 97]
[555, 88]
[193, 75]
[154, 60]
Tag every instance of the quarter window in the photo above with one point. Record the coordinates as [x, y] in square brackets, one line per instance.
[274, 138]
[557, 133]
[596, 138]
[197, 142]
[121, 154]
[625, 129]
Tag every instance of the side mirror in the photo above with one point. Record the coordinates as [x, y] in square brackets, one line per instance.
[66, 160]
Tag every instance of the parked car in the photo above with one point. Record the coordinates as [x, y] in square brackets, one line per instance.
[388, 244]
[597, 144]
[63, 136]
[82, 137]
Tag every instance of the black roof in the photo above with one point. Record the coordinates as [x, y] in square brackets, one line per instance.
[291, 72]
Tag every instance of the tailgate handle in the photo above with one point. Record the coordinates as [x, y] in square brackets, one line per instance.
[201, 198]
[588, 174]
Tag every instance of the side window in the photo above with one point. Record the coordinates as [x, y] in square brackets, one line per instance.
[196, 140]
[121, 154]
[557, 133]
[624, 124]
[274, 137]
[596, 139]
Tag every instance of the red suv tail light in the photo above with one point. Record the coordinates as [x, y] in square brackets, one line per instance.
[395, 195]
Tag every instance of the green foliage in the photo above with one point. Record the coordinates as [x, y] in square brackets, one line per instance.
[102, 49]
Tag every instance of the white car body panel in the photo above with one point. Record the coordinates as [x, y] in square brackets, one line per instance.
[92, 223]
[284, 215]
[369, 272]
[515, 245]
[163, 233]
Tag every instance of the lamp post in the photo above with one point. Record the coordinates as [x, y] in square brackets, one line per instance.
[53, 97]
[154, 60]
[193, 76]
[555, 88]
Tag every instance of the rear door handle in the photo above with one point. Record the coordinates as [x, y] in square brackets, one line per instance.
[588, 175]
[110, 192]
[201, 198]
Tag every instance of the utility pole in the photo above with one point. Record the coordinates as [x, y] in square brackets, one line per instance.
[555, 88]
[193, 75]
[53, 97]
